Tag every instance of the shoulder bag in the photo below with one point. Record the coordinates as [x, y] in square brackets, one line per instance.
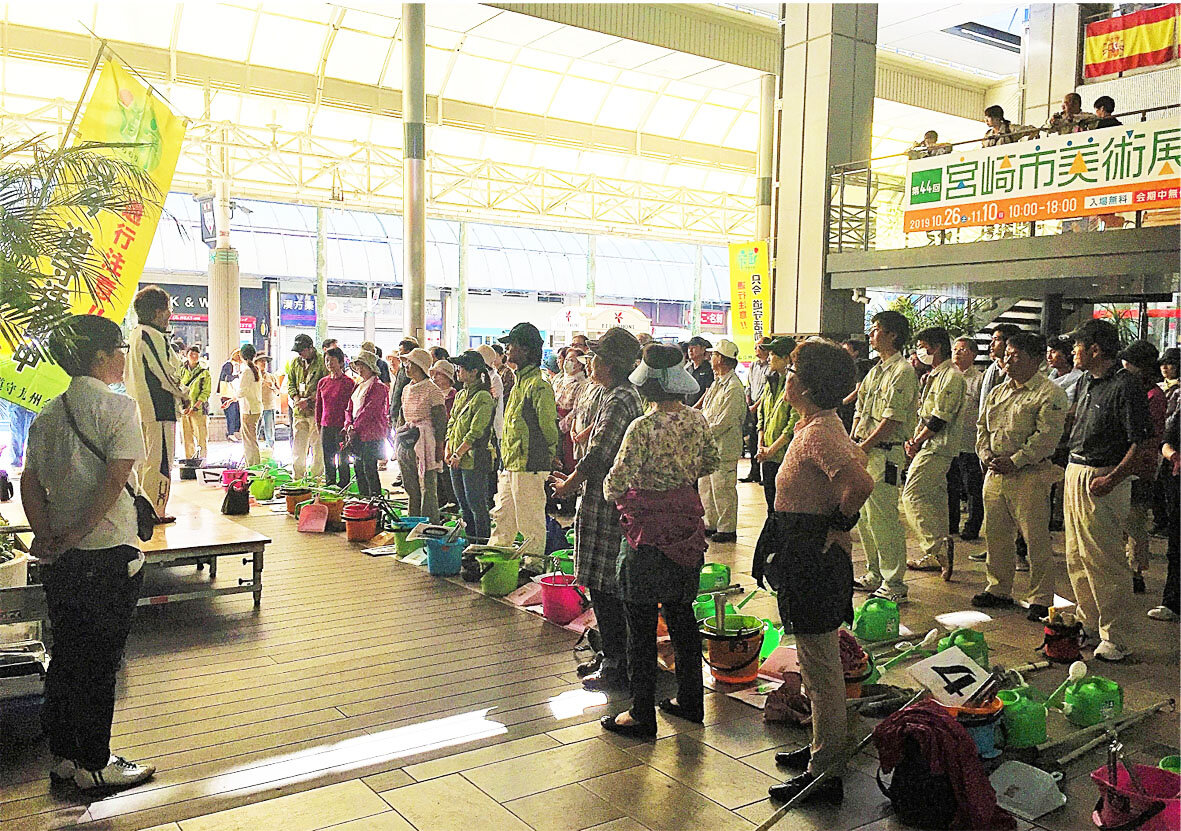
[145, 514]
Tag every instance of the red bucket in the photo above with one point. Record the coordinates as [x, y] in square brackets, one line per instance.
[561, 598]
[1120, 805]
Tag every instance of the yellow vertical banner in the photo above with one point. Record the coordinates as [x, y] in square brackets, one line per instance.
[749, 293]
[121, 110]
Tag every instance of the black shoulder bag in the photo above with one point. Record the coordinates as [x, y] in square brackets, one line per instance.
[145, 514]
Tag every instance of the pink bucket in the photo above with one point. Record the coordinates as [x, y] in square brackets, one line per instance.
[561, 598]
[228, 477]
[1121, 806]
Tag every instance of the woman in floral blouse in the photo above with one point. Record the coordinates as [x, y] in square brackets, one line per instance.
[654, 484]
[568, 387]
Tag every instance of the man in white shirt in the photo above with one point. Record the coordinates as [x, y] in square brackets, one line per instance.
[153, 381]
[724, 407]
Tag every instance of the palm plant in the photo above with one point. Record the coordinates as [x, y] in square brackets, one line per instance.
[50, 202]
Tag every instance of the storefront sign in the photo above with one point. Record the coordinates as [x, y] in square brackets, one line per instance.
[297, 310]
[121, 110]
[713, 317]
[1128, 168]
[750, 291]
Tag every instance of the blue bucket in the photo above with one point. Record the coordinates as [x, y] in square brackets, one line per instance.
[444, 559]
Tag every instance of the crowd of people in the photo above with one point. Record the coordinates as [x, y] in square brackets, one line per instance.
[645, 438]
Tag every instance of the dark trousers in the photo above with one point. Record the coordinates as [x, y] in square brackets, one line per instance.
[471, 490]
[641, 653]
[965, 480]
[751, 434]
[336, 461]
[769, 469]
[1171, 597]
[233, 419]
[91, 603]
[611, 616]
[365, 463]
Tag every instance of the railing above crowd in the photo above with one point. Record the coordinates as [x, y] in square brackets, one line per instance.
[867, 199]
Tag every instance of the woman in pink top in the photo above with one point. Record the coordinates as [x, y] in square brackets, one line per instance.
[804, 552]
[367, 423]
[332, 398]
[420, 441]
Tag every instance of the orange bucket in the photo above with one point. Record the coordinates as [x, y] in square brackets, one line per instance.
[360, 530]
[733, 654]
[334, 506]
[294, 497]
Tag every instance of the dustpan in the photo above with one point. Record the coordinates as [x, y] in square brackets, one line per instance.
[313, 518]
[1025, 791]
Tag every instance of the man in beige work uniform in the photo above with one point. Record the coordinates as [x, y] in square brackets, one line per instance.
[1016, 435]
[886, 403]
[936, 442]
[724, 408]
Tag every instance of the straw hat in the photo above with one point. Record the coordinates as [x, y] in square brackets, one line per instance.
[368, 359]
[420, 358]
[445, 367]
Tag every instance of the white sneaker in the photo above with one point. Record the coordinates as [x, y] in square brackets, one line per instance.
[1162, 613]
[866, 583]
[888, 593]
[1022, 563]
[62, 770]
[119, 773]
[1108, 651]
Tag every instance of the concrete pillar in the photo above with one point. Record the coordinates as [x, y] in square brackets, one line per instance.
[829, 58]
[695, 308]
[461, 299]
[321, 276]
[224, 286]
[369, 322]
[592, 269]
[1051, 323]
[414, 170]
[1052, 59]
[766, 158]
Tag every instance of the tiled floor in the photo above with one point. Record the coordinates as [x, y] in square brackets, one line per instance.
[368, 696]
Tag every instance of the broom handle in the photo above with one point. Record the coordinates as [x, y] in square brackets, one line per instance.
[1101, 728]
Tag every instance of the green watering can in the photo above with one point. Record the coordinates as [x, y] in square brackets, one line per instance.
[876, 620]
[1092, 699]
[1024, 717]
[971, 642]
[262, 487]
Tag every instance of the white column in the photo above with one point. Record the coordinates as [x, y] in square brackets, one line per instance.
[321, 276]
[766, 157]
[224, 286]
[592, 270]
[414, 170]
[461, 294]
[695, 308]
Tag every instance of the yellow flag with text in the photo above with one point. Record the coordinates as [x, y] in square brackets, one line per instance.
[121, 110]
[750, 290]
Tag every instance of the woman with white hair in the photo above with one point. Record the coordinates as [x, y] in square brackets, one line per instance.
[420, 441]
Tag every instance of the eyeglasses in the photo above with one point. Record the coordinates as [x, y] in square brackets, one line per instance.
[124, 347]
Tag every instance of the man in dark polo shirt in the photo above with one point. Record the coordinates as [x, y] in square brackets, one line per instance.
[699, 368]
[1110, 428]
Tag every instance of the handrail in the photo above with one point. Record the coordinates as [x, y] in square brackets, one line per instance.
[1018, 133]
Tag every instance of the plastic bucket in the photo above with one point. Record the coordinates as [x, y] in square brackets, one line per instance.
[703, 607]
[563, 560]
[714, 577]
[771, 638]
[561, 599]
[876, 619]
[855, 679]
[294, 496]
[232, 475]
[262, 488]
[499, 575]
[335, 508]
[1122, 806]
[733, 654]
[1024, 717]
[443, 559]
[360, 530]
[1170, 763]
[402, 529]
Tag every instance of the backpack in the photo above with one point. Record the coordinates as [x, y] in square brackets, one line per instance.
[237, 500]
[920, 798]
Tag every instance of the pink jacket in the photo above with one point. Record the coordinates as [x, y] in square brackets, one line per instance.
[371, 422]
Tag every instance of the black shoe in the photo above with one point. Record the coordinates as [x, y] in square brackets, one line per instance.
[1037, 612]
[797, 759]
[605, 679]
[673, 709]
[591, 666]
[984, 600]
[970, 536]
[831, 791]
[709, 532]
[751, 477]
[645, 732]
[1138, 586]
[725, 536]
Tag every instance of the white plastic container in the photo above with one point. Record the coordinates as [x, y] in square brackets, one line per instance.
[1025, 791]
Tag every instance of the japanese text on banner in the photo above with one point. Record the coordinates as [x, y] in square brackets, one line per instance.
[749, 290]
[120, 110]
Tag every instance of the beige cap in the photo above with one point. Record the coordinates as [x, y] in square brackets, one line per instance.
[420, 358]
[488, 354]
[726, 348]
[445, 367]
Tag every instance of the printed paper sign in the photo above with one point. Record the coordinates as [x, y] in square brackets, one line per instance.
[950, 675]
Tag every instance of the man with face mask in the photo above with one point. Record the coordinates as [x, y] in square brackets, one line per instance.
[937, 439]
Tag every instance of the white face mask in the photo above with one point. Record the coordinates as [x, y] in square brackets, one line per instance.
[924, 356]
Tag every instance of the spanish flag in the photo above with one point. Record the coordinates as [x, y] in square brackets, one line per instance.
[1144, 38]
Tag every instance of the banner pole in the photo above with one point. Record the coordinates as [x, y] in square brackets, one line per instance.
[102, 48]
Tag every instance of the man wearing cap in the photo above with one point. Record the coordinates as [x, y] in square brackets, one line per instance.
[1110, 431]
[304, 374]
[724, 408]
[597, 532]
[756, 380]
[887, 402]
[383, 368]
[528, 447]
[777, 419]
[699, 367]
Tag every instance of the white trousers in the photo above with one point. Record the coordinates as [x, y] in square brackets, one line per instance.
[719, 498]
[520, 508]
